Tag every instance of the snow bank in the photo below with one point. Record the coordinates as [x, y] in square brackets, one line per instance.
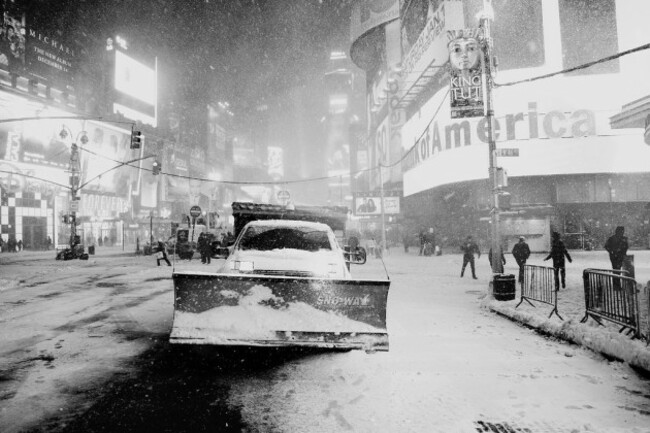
[598, 338]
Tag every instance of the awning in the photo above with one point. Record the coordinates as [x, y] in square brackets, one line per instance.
[636, 114]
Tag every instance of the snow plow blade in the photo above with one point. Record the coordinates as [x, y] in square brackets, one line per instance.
[255, 310]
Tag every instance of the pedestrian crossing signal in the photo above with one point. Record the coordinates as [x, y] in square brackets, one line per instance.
[156, 167]
[136, 139]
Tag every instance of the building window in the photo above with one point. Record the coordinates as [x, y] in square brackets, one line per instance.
[518, 43]
[588, 31]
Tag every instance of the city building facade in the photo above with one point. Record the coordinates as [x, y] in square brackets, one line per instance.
[569, 167]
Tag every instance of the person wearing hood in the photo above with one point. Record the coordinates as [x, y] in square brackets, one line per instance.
[617, 246]
[558, 252]
[521, 252]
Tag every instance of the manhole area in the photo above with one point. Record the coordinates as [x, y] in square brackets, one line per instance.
[474, 292]
[499, 427]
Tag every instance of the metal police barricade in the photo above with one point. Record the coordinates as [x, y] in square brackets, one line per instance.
[647, 295]
[611, 296]
[539, 285]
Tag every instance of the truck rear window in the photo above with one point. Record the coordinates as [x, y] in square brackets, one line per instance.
[273, 238]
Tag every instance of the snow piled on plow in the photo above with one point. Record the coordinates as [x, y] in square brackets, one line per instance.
[258, 316]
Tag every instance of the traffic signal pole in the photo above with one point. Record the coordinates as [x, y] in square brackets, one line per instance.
[488, 63]
[75, 169]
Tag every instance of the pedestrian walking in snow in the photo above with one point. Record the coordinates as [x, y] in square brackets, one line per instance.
[617, 246]
[469, 248]
[20, 245]
[521, 252]
[422, 238]
[558, 252]
[161, 254]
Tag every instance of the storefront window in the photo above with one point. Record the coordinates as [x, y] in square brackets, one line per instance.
[518, 43]
[588, 30]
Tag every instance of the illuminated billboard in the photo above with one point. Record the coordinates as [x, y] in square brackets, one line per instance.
[41, 54]
[136, 89]
[366, 204]
[552, 128]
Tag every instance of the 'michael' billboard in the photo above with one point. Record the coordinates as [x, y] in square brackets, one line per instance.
[40, 54]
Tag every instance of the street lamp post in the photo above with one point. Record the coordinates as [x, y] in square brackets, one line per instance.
[383, 218]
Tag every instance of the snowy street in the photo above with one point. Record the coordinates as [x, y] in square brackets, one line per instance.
[83, 347]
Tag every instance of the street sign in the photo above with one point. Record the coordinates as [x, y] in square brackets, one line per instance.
[283, 194]
[74, 206]
[195, 211]
[508, 152]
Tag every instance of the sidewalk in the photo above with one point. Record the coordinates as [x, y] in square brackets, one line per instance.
[115, 251]
[571, 306]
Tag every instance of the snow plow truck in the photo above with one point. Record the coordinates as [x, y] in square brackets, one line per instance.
[286, 282]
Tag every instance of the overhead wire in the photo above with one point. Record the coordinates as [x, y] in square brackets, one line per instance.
[369, 169]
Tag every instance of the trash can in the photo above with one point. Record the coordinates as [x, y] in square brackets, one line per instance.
[504, 287]
[91, 250]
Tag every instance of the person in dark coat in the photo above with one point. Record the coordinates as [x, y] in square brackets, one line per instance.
[469, 248]
[204, 247]
[503, 258]
[558, 252]
[161, 249]
[521, 252]
[617, 246]
[422, 239]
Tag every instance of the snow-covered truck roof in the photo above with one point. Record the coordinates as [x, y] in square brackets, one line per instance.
[333, 216]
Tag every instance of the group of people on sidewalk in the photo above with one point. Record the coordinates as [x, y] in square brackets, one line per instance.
[203, 245]
[12, 245]
[616, 246]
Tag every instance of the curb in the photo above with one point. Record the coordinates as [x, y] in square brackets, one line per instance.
[610, 344]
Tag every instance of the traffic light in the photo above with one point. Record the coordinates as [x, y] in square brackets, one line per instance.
[156, 168]
[136, 139]
[69, 219]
